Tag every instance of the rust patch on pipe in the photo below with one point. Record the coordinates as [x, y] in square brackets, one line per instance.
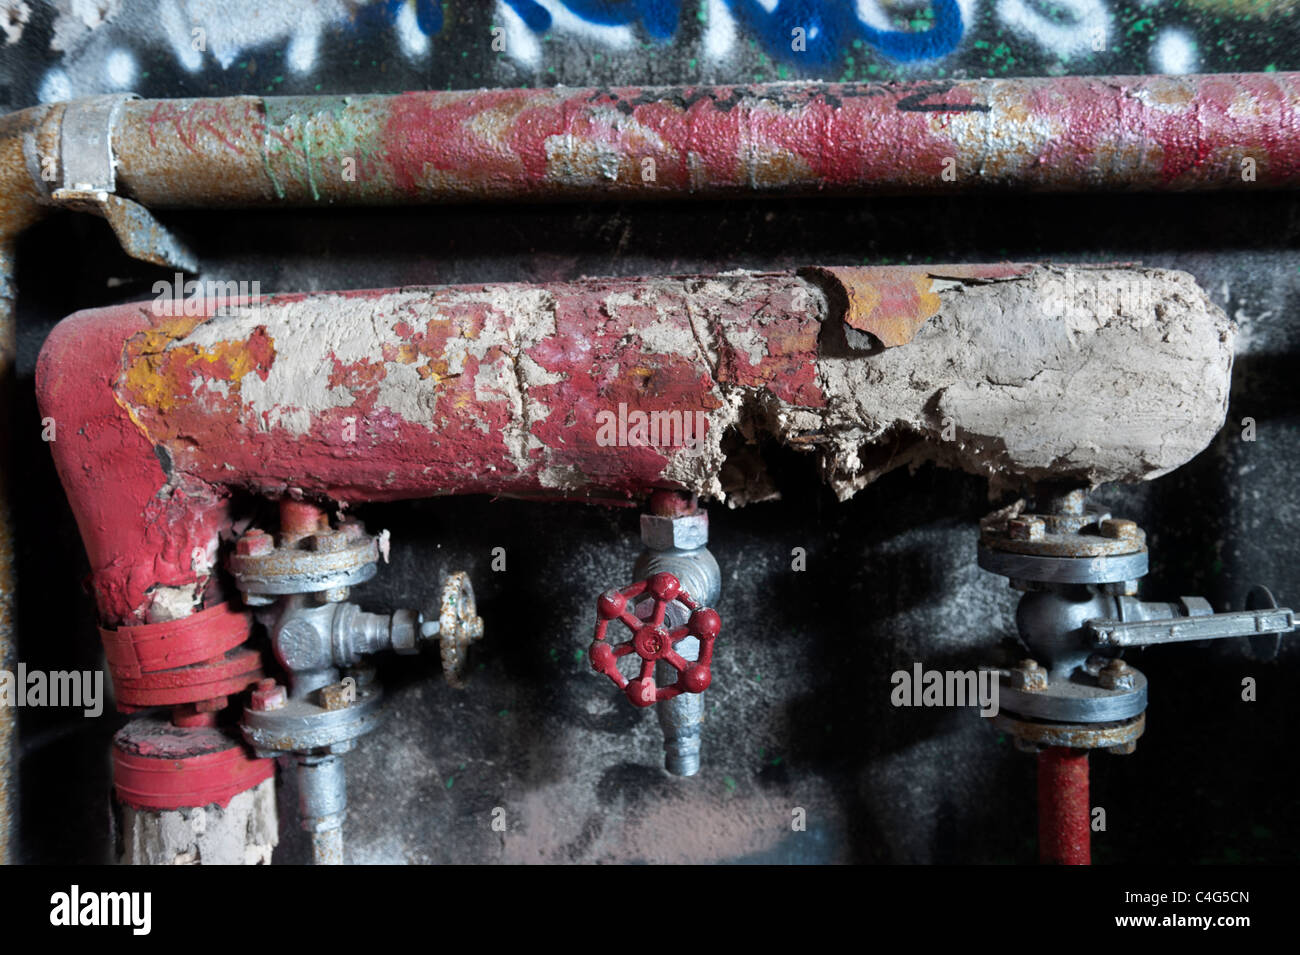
[892, 303]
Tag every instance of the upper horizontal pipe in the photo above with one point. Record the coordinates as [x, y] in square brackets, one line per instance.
[1060, 134]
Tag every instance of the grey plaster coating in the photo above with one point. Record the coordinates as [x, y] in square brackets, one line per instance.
[802, 677]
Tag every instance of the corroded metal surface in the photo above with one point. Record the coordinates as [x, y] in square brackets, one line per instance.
[459, 625]
[1062, 133]
[892, 303]
[596, 390]
[19, 208]
[1064, 811]
[1118, 733]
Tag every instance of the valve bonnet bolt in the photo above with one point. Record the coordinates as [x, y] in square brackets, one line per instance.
[268, 695]
[255, 543]
[1026, 528]
[1118, 529]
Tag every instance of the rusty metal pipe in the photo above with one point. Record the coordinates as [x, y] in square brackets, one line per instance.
[20, 206]
[1059, 134]
[1064, 815]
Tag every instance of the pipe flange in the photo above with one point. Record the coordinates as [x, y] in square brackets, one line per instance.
[1088, 547]
[1116, 691]
[320, 723]
[1090, 534]
[329, 560]
[1063, 570]
[1117, 736]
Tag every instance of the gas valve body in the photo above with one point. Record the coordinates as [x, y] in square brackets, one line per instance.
[302, 580]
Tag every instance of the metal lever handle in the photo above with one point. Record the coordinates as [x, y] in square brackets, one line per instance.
[1215, 626]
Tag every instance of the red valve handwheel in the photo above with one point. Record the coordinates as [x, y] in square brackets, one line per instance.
[652, 642]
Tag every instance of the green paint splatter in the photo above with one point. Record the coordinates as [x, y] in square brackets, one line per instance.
[451, 781]
[503, 712]
[730, 783]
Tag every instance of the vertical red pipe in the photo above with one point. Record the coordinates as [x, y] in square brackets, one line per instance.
[1064, 815]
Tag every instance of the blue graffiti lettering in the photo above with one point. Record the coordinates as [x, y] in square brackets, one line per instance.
[829, 27]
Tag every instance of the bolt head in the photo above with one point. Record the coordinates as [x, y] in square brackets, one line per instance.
[1026, 528]
[1116, 529]
[335, 595]
[337, 696]
[255, 543]
[328, 542]
[1124, 749]
[1116, 675]
[1029, 676]
[268, 695]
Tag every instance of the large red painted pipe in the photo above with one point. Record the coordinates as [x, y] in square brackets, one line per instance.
[365, 396]
[1064, 816]
[598, 390]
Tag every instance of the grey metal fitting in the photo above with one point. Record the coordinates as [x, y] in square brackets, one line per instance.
[678, 545]
[687, 532]
[322, 805]
[1051, 624]
[312, 640]
[316, 634]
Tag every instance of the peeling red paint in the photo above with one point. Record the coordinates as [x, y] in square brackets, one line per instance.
[159, 422]
[1056, 133]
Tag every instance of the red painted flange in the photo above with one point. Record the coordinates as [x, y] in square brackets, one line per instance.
[224, 676]
[653, 642]
[160, 766]
[150, 647]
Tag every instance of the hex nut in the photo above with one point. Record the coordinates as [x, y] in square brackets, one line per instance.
[268, 695]
[1116, 675]
[404, 631]
[688, 532]
[329, 542]
[1116, 529]
[1026, 528]
[335, 595]
[1029, 676]
[338, 696]
[255, 543]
